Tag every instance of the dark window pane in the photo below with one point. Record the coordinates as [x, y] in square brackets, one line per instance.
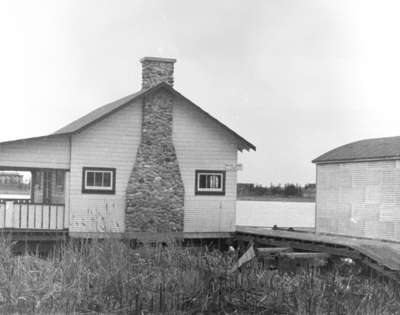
[60, 181]
[98, 179]
[89, 178]
[202, 181]
[59, 178]
[107, 179]
[38, 178]
[208, 182]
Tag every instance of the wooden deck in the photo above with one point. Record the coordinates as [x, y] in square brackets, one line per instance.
[380, 255]
[154, 236]
[33, 235]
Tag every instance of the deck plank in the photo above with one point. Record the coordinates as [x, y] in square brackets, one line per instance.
[383, 252]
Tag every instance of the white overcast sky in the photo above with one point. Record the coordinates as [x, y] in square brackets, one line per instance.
[296, 78]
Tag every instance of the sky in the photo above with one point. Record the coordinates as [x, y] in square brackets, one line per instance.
[295, 78]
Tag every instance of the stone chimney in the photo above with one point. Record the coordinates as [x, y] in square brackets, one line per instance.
[155, 192]
[156, 70]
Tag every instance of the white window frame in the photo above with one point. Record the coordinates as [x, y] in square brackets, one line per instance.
[98, 189]
[210, 191]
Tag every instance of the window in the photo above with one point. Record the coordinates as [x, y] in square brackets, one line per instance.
[37, 179]
[15, 185]
[96, 180]
[210, 182]
[60, 180]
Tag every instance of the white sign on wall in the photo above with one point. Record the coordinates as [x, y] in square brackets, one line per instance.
[234, 167]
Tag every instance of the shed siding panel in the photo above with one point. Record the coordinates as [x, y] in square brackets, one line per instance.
[43, 153]
[201, 144]
[359, 199]
[111, 142]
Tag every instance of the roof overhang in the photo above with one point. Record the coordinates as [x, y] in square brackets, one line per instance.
[375, 159]
[78, 125]
[50, 136]
[243, 144]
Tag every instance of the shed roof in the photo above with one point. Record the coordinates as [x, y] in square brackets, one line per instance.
[367, 149]
[108, 109]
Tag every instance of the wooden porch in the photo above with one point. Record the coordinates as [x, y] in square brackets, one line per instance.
[32, 216]
[383, 256]
[33, 199]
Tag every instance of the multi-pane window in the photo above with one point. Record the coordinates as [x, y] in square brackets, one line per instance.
[210, 182]
[98, 180]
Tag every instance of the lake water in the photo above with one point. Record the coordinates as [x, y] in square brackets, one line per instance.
[264, 213]
[269, 213]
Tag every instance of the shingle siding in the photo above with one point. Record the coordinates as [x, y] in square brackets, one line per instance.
[359, 199]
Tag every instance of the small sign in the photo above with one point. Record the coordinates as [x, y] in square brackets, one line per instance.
[233, 167]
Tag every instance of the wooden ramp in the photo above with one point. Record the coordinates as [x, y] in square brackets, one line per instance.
[380, 255]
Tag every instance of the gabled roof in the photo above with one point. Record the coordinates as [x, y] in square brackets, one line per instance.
[104, 111]
[96, 114]
[368, 149]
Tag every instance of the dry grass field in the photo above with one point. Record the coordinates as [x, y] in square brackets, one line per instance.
[110, 277]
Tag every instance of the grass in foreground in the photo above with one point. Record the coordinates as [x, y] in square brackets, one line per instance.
[110, 277]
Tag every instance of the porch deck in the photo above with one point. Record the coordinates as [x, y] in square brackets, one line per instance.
[154, 236]
[383, 256]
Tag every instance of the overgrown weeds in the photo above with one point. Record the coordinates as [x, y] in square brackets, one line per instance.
[111, 277]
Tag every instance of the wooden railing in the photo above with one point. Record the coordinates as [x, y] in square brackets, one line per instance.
[32, 216]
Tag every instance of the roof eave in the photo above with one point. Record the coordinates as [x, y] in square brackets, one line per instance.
[246, 144]
[35, 138]
[243, 144]
[355, 160]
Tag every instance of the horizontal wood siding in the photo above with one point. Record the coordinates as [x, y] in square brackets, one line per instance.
[201, 144]
[111, 142]
[50, 152]
[359, 199]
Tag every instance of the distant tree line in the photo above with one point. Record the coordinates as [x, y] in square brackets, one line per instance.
[286, 190]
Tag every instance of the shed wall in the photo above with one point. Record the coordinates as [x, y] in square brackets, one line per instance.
[111, 142]
[52, 152]
[359, 199]
[201, 144]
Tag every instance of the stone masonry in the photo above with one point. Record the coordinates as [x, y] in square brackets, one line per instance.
[155, 192]
[156, 70]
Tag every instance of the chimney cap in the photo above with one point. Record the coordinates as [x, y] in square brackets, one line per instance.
[157, 59]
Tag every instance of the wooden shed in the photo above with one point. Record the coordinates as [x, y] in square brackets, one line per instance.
[358, 190]
[152, 161]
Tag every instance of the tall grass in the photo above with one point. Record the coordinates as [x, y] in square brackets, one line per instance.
[111, 277]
